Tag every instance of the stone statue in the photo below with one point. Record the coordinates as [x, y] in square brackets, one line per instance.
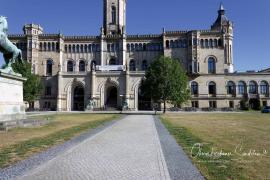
[125, 105]
[91, 104]
[10, 52]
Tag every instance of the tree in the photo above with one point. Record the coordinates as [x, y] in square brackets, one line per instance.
[166, 81]
[32, 87]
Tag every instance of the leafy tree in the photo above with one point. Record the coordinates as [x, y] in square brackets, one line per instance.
[166, 81]
[32, 87]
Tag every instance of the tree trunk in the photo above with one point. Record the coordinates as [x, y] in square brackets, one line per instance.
[164, 106]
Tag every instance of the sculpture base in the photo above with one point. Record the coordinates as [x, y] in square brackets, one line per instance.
[11, 97]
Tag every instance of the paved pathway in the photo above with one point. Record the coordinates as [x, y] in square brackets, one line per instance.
[130, 149]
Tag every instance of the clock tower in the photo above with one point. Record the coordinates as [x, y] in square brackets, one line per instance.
[114, 17]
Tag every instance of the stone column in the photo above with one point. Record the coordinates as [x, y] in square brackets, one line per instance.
[126, 90]
[59, 92]
[93, 83]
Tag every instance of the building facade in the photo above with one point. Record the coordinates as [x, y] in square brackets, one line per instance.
[105, 71]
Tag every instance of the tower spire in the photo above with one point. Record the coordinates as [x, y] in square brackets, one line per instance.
[221, 7]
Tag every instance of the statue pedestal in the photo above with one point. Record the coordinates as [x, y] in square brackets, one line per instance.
[12, 107]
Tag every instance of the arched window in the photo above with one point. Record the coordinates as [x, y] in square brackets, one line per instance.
[220, 42]
[78, 48]
[144, 65]
[132, 65]
[202, 43]
[136, 47]
[73, 49]
[49, 67]
[66, 48]
[206, 43]
[113, 15]
[241, 88]
[89, 48]
[252, 87]
[211, 66]
[184, 43]
[194, 88]
[112, 62]
[212, 88]
[167, 44]
[70, 65]
[128, 47]
[171, 44]
[132, 47]
[264, 88]
[40, 47]
[144, 47]
[69, 49]
[49, 46]
[53, 46]
[82, 50]
[94, 48]
[45, 46]
[85, 48]
[82, 66]
[140, 47]
[57, 46]
[215, 43]
[231, 88]
[211, 43]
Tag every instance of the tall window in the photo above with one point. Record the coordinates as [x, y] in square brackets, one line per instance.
[230, 88]
[194, 88]
[144, 65]
[252, 87]
[241, 88]
[49, 67]
[70, 66]
[212, 88]
[132, 66]
[113, 15]
[211, 66]
[82, 66]
[264, 88]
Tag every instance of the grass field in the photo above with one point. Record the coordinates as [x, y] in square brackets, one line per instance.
[224, 145]
[20, 143]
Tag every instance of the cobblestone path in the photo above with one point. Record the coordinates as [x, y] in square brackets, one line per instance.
[129, 149]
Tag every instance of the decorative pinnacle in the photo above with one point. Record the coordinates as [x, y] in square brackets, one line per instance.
[221, 7]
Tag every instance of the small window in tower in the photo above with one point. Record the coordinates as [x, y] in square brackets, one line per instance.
[113, 15]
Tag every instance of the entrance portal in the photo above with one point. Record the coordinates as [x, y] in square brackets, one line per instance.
[111, 100]
[78, 99]
[254, 104]
[144, 102]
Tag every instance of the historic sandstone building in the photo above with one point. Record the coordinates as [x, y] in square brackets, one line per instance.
[107, 70]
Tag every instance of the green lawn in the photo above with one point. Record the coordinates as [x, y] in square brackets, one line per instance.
[18, 144]
[233, 145]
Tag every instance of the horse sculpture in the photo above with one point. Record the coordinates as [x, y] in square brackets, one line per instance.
[10, 52]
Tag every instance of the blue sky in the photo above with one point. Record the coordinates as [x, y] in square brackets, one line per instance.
[84, 17]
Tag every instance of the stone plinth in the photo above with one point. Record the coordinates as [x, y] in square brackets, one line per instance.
[11, 97]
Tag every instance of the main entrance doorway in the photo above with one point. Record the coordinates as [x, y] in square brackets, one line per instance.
[111, 100]
[78, 99]
[144, 102]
